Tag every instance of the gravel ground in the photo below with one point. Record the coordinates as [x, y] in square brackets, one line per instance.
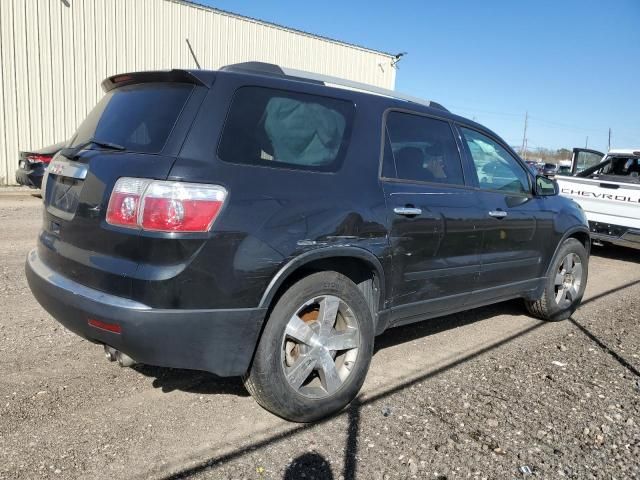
[489, 393]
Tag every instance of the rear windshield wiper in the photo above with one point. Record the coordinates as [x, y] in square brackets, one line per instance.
[72, 152]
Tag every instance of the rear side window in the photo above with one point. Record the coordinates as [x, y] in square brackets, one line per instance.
[286, 129]
[423, 149]
[138, 117]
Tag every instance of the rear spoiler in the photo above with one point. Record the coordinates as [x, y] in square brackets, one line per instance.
[201, 78]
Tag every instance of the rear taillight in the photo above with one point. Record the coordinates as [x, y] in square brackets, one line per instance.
[164, 206]
[40, 158]
[124, 204]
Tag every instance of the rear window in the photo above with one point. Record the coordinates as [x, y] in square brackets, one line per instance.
[138, 117]
[623, 166]
[286, 129]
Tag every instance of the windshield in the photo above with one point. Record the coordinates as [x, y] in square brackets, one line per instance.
[140, 118]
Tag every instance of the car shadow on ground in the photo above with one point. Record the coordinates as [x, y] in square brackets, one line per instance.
[192, 381]
[205, 383]
[392, 337]
[614, 252]
[407, 333]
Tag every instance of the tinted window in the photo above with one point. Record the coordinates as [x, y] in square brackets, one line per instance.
[423, 149]
[622, 166]
[496, 168]
[278, 128]
[138, 117]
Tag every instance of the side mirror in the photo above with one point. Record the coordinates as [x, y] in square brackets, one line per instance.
[546, 187]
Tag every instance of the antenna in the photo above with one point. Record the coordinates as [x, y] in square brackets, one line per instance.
[523, 150]
[193, 54]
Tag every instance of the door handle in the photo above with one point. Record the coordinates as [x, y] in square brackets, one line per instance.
[497, 213]
[407, 211]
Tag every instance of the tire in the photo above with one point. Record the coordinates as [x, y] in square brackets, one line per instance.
[553, 305]
[277, 378]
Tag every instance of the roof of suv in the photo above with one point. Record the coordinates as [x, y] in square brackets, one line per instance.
[207, 77]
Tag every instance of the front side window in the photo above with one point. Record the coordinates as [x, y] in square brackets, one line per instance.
[140, 117]
[495, 166]
[586, 160]
[423, 149]
[286, 129]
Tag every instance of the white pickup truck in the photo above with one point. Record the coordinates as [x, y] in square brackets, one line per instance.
[607, 187]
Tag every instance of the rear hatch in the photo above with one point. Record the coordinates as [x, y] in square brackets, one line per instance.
[136, 130]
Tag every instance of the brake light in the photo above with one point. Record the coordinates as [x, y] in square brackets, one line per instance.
[40, 158]
[124, 204]
[164, 206]
[121, 78]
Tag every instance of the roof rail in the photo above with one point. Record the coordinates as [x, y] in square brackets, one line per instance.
[272, 69]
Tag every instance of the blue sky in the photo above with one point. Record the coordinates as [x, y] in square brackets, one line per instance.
[574, 65]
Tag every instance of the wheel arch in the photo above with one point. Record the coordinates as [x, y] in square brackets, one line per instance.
[580, 233]
[358, 264]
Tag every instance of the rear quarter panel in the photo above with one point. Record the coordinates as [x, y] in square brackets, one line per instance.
[273, 215]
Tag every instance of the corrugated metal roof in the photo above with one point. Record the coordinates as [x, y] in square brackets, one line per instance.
[196, 4]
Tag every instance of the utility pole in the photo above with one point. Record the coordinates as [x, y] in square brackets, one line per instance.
[586, 142]
[609, 139]
[523, 150]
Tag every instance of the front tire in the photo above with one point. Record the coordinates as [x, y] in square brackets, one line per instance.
[565, 285]
[315, 350]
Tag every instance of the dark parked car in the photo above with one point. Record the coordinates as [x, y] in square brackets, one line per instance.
[550, 169]
[253, 222]
[31, 165]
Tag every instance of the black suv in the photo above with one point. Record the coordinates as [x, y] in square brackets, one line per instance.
[257, 222]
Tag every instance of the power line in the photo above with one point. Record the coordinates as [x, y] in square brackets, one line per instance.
[537, 119]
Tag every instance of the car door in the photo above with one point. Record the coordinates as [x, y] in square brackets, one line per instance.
[512, 247]
[583, 158]
[432, 216]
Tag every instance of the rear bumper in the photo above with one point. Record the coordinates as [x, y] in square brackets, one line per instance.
[29, 178]
[218, 341]
[615, 234]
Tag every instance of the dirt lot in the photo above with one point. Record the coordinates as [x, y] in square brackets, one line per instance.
[490, 393]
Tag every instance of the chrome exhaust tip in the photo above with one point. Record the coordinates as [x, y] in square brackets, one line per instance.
[124, 360]
[110, 353]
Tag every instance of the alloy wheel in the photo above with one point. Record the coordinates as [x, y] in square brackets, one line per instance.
[320, 346]
[568, 280]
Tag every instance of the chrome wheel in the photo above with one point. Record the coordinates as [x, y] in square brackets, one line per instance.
[320, 346]
[568, 280]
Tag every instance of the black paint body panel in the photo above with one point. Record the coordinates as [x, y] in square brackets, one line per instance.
[277, 219]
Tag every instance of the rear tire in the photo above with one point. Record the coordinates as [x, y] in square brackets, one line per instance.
[315, 350]
[565, 285]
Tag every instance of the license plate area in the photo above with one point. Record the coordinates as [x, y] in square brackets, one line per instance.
[63, 195]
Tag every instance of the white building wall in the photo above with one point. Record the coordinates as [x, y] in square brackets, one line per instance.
[55, 53]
